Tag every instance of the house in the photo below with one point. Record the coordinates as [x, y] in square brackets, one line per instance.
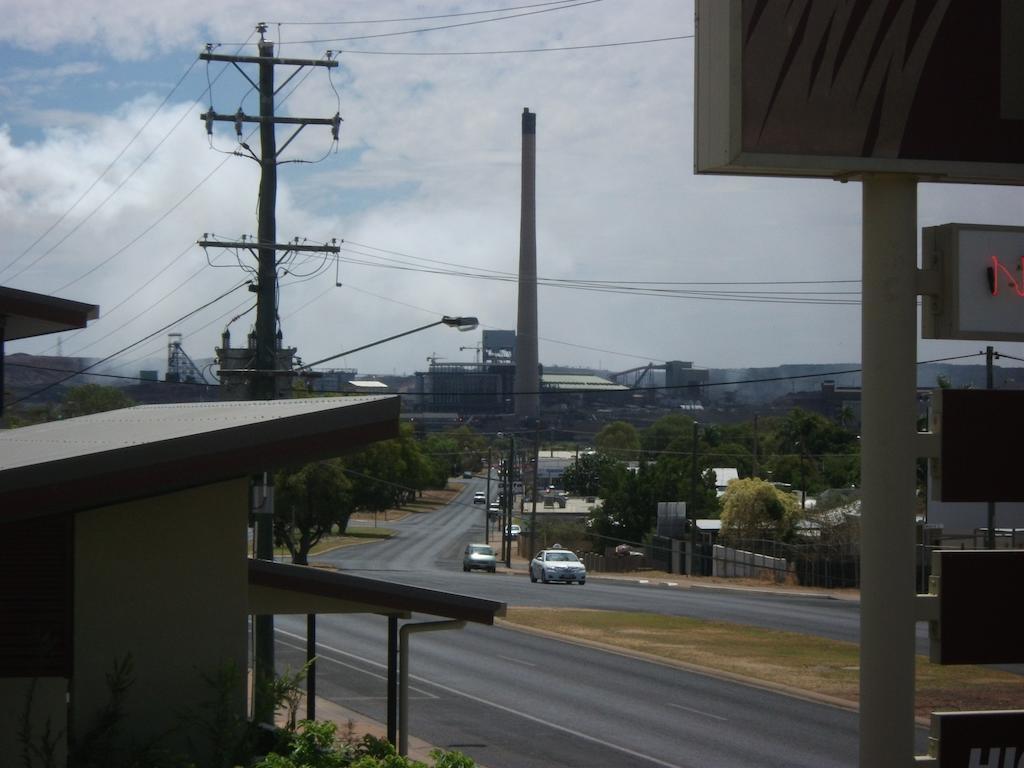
[126, 537]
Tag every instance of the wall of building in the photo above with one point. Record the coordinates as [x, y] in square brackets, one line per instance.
[165, 581]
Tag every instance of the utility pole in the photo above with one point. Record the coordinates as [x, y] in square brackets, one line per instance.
[487, 511]
[262, 378]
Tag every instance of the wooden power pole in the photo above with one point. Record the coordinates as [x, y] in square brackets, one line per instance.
[262, 377]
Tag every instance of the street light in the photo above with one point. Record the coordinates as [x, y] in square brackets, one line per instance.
[462, 323]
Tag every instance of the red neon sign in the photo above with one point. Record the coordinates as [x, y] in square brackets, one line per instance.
[997, 268]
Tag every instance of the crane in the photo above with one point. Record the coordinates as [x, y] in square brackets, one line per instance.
[476, 348]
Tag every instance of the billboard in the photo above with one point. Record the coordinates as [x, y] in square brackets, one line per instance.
[980, 621]
[974, 739]
[980, 291]
[978, 431]
[835, 89]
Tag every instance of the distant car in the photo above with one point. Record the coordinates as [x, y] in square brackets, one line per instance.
[468, 474]
[557, 565]
[479, 557]
[513, 531]
[479, 497]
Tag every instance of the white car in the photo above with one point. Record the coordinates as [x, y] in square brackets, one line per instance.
[479, 497]
[557, 565]
[513, 531]
[479, 556]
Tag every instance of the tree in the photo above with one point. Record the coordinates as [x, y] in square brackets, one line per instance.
[308, 503]
[619, 440]
[588, 474]
[93, 398]
[754, 508]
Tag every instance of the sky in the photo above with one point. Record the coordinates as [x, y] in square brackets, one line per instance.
[108, 178]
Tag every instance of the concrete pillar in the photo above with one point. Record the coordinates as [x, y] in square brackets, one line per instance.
[889, 354]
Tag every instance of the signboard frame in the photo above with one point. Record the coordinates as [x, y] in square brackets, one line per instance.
[973, 302]
[977, 623]
[962, 739]
[975, 427]
[722, 104]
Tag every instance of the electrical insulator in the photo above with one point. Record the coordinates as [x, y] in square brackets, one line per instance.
[336, 125]
[238, 123]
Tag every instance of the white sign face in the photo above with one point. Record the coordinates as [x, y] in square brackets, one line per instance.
[981, 283]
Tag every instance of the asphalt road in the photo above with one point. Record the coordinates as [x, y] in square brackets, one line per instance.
[512, 699]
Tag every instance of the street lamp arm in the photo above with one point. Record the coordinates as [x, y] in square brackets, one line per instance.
[462, 323]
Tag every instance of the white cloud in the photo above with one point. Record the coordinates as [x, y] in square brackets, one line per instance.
[429, 167]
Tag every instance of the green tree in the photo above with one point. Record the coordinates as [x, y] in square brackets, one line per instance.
[754, 508]
[588, 474]
[93, 398]
[308, 503]
[673, 432]
[619, 440]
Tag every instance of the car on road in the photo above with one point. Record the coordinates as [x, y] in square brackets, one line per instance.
[557, 565]
[479, 497]
[467, 474]
[479, 557]
[513, 531]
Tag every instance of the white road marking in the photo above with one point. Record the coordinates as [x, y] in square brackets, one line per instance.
[698, 712]
[479, 700]
[517, 661]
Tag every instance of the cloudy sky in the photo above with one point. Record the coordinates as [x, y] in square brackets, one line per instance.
[108, 178]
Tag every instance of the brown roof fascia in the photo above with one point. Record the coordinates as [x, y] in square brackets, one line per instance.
[35, 314]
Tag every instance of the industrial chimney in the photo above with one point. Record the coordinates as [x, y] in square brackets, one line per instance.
[527, 362]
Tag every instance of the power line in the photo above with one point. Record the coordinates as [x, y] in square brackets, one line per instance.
[520, 50]
[419, 30]
[133, 344]
[416, 18]
[102, 174]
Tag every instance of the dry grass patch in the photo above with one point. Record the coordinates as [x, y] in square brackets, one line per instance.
[818, 665]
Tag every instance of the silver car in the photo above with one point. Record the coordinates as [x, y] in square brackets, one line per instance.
[480, 557]
[557, 565]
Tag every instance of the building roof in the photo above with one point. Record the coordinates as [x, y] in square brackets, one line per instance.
[367, 384]
[582, 381]
[26, 314]
[148, 450]
[284, 588]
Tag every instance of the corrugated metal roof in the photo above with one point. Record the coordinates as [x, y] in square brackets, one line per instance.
[152, 449]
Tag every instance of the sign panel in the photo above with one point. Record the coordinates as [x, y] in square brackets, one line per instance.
[978, 431]
[979, 739]
[834, 88]
[979, 621]
[980, 282]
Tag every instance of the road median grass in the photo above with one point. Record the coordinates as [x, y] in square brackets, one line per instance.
[814, 665]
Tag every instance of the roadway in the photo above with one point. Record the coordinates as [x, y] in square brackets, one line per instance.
[509, 698]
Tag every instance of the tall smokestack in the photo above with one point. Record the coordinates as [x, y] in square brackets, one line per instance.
[527, 362]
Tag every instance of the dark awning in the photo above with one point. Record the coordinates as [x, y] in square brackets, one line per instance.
[278, 588]
[24, 314]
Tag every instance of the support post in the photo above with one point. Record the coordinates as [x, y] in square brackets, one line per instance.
[263, 626]
[403, 667]
[990, 530]
[393, 680]
[311, 666]
[889, 353]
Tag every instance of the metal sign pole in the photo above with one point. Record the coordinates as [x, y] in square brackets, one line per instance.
[889, 354]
